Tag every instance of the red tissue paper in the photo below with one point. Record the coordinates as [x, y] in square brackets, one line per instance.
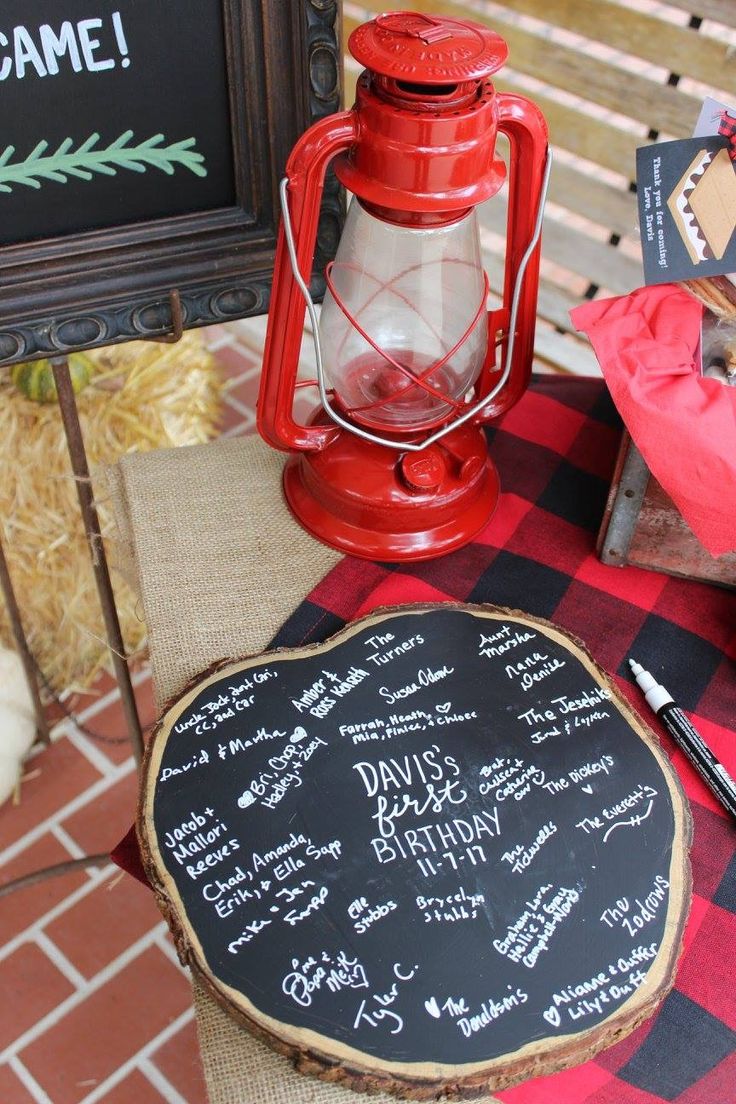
[684, 424]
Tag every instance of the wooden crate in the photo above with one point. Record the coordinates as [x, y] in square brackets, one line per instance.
[643, 527]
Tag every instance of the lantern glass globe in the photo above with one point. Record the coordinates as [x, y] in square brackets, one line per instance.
[413, 293]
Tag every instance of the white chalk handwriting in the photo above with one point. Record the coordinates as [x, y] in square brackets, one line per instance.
[634, 915]
[425, 676]
[451, 907]
[560, 715]
[199, 759]
[202, 833]
[284, 772]
[529, 935]
[323, 694]
[520, 857]
[364, 915]
[247, 935]
[439, 840]
[503, 640]
[509, 779]
[384, 654]
[315, 902]
[599, 994]
[533, 668]
[333, 972]
[416, 768]
[376, 1009]
[491, 1009]
[638, 799]
[241, 743]
[433, 799]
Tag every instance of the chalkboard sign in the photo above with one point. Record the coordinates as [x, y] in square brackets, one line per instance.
[438, 850]
[140, 152]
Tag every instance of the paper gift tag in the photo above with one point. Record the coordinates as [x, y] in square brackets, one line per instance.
[687, 209]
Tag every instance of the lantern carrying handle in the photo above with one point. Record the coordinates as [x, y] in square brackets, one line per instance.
[472, 411]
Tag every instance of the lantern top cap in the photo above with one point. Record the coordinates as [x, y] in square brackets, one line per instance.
[427, 49]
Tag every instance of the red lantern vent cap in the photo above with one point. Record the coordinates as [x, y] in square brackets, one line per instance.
[427, 49]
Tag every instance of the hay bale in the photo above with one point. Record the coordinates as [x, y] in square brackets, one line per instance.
[144, 396]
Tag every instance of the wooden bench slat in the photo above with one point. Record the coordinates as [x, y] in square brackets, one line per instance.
[671, 110]
[614, 208]
[563, 245]
[594, 139]
[564, 352]
[679, 49]
[598, 261]
[722, 11]
[554, 302]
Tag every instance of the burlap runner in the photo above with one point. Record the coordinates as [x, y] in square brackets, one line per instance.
[220, 565]
[220, 562]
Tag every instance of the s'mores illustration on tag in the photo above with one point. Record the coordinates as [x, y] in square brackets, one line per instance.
[703, 205]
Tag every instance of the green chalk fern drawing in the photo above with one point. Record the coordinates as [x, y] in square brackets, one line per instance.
[88, 159]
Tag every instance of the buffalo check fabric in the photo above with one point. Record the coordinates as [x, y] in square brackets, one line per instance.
[555, 451]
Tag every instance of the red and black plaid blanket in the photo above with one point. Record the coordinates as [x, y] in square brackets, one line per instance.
[555, 452]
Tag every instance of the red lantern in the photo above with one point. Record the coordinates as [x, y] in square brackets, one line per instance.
[394, 464]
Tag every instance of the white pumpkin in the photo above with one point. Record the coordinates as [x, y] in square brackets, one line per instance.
[17, 721]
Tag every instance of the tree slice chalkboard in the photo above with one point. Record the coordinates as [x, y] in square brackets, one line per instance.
[437, 854]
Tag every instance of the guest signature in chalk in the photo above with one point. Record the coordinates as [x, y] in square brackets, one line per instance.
[375, 1009]
[634, 821]
[334, 973]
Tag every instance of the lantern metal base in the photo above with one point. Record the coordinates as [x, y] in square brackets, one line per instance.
[380, 504]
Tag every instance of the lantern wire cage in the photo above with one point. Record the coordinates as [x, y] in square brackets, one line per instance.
[470, 410]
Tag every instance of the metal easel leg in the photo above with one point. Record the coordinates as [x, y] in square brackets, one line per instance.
[80, 467]
[21, 643]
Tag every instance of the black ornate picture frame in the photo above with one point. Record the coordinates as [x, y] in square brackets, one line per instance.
[73, 291]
